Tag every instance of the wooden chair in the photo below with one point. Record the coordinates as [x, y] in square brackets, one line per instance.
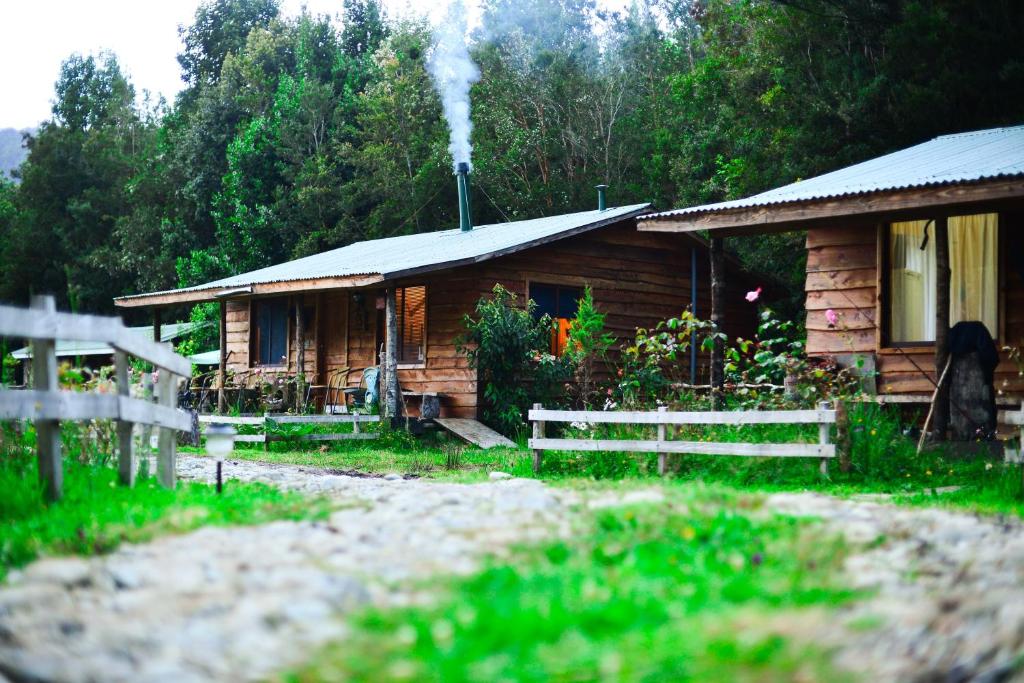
[337, 380]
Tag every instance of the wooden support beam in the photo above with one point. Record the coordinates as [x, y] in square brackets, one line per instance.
[391, 355]
[300, 353]
[157, 324]
[125, 457]
[718, 318]
[222, 366]
[942, 282]
[44, 378]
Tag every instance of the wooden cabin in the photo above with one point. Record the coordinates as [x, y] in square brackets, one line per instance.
[432, 280]
[879, 234]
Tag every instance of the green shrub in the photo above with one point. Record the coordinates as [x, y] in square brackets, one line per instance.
[510, 350]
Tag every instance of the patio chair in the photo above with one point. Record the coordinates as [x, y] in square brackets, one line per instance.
[365, 396]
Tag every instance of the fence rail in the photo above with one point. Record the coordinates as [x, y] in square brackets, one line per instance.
[47, 405]
[271, 420]
[823, 416]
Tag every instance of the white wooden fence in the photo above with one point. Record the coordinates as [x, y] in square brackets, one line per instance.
[824, 416]
[266, 422]
[47, 405]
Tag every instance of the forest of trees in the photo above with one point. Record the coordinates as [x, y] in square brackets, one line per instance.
[295, 135]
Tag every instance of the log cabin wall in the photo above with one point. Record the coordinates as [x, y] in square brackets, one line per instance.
[638, 279]
[843, 273]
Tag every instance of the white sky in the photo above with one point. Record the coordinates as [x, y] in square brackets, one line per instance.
[37, 35]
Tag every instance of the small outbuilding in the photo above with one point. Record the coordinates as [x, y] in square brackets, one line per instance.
[399, 302]
[899, 249]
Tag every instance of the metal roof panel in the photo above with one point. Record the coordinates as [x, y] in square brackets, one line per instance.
[945, 160]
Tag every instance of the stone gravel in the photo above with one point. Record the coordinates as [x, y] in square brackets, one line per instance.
[239, 603]
[945, 601]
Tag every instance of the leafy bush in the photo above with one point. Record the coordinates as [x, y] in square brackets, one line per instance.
[509, 348]
[587, 349]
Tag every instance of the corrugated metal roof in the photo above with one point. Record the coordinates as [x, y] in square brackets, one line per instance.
[946, 160]
[395, 256]
[65, 349]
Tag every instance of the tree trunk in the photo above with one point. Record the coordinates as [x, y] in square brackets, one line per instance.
[942, 279]
[718, 319]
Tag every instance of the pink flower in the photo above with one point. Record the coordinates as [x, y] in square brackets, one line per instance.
[831, 317]
[752, 296]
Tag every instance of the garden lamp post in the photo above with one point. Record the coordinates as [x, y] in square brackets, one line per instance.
[220, 441]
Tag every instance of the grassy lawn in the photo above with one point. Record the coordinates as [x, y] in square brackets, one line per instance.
[667, 592]
[96, 514]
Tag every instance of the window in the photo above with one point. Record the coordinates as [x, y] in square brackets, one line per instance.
[270, 345]
[974, 281]
[411, 306]
[560, 303]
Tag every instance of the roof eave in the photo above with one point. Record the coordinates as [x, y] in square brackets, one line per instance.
[782, 217]
[185, 296]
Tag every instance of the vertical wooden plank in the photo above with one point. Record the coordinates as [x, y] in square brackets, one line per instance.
[538, 433]
[661, 437]
[222, 363]
[167, 390]
[823, 438]
[125, 459]
[942, 280]
[44, 378]
[843, 435]
[157, 324]
[718, 318]
[391, 354]
[300, 353]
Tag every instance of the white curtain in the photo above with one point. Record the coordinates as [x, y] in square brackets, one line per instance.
[974, 262]
[912, 302]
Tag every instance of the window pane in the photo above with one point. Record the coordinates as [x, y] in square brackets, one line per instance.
[568, 301]
[272, 319]
[912, 282]
[974, 287]
[412, 316]
[546, 298]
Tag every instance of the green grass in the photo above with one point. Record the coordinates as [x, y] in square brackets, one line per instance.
[670, 592]
[96, 514]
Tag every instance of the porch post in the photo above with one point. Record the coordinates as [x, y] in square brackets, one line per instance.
[942, 281]
[391, 355]
[156, 324]
[300, 353]
[718, 318]
[222, 363]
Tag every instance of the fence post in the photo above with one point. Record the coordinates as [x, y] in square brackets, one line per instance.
[44, 378]
[661, 437]
[167, 386]
[843, 444]
[125, 461]
[823, 438]
[538, 433]
[266, 432]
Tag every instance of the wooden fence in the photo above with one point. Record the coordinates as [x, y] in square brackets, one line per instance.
[267, 422]
[47, 405]
[1015, 418]
[823, 416]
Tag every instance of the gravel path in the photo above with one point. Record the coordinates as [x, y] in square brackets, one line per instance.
[237, 604]
[948, 603]
[234, 604]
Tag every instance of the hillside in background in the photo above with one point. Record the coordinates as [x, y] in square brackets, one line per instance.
[12, 153]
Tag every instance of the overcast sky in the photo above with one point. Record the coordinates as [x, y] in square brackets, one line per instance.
[37, 35]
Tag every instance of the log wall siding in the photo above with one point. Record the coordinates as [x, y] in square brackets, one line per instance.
[638, 279]
[842, 274]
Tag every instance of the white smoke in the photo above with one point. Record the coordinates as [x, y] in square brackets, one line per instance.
[453, 73]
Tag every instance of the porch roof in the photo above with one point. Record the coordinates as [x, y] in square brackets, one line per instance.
[64, 349]
[993, 158]
[365, 263]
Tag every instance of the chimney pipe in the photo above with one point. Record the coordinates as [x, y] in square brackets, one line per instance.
[601, 204]
[462, 178]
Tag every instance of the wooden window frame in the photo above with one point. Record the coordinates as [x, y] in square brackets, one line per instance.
[884, 309]
[254, 340]
[426, 323]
